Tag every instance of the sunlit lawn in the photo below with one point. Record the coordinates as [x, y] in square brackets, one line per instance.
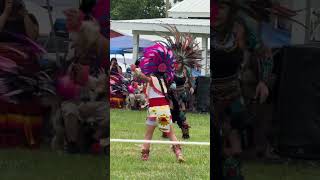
[125, 160]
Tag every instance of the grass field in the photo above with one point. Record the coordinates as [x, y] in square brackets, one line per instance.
[18, 164]
[292, 170]
[43, 164]
[125, 160]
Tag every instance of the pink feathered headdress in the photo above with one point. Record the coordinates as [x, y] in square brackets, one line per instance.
[158, 58]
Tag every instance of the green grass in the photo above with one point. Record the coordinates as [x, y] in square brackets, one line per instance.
[125, 160]
[294, 170]
[22, 164]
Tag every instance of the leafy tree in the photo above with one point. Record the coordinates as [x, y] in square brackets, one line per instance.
[137, 9]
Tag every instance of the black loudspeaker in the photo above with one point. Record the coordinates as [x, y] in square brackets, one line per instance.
[203, 94]
[298, 107]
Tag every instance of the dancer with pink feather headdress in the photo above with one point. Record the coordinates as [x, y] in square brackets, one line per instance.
[156, 69]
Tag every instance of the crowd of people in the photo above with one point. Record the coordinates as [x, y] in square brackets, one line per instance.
[133, 92]
[22, 80]
[83, 84]
[74, 92]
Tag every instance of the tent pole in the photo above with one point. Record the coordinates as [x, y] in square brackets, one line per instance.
[52, 34]
[204, 70]
[135, 52]
[124, 60]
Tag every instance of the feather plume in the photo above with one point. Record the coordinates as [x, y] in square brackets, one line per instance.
[184, 46]
[262, 10]
[157, 56]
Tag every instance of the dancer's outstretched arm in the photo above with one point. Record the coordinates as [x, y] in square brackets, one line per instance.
[137, 73]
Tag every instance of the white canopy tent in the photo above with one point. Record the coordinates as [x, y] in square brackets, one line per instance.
[199, 27]
[47, 16]
[190, 8]
[42, 17]
[58, 6]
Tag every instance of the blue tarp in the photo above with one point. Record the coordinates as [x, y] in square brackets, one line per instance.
[272, 37]
[117, 51]
[275, 38]
[196, 73]
[121, 44]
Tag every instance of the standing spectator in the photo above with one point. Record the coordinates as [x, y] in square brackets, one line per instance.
[137, 97]
[192, 99]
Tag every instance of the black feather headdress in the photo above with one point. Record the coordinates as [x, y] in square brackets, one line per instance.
[262, 10]
[184, 46]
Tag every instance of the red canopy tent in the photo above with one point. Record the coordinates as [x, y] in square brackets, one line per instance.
[114, 34]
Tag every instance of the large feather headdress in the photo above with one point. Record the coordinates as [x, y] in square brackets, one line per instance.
[262, 10]
[158, 58]
[184, 46]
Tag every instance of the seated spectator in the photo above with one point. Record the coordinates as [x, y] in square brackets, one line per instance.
[90, 11]
[84, 115]
[115, 69]
[85, 121]
[97, 10]
[15, 18]
[15, 25]
[128, 73]
[137, 98]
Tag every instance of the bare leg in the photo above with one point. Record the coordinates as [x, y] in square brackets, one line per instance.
[148, 136]
[146, 146]
[183, 106]
[172, 135]
[176, 148]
